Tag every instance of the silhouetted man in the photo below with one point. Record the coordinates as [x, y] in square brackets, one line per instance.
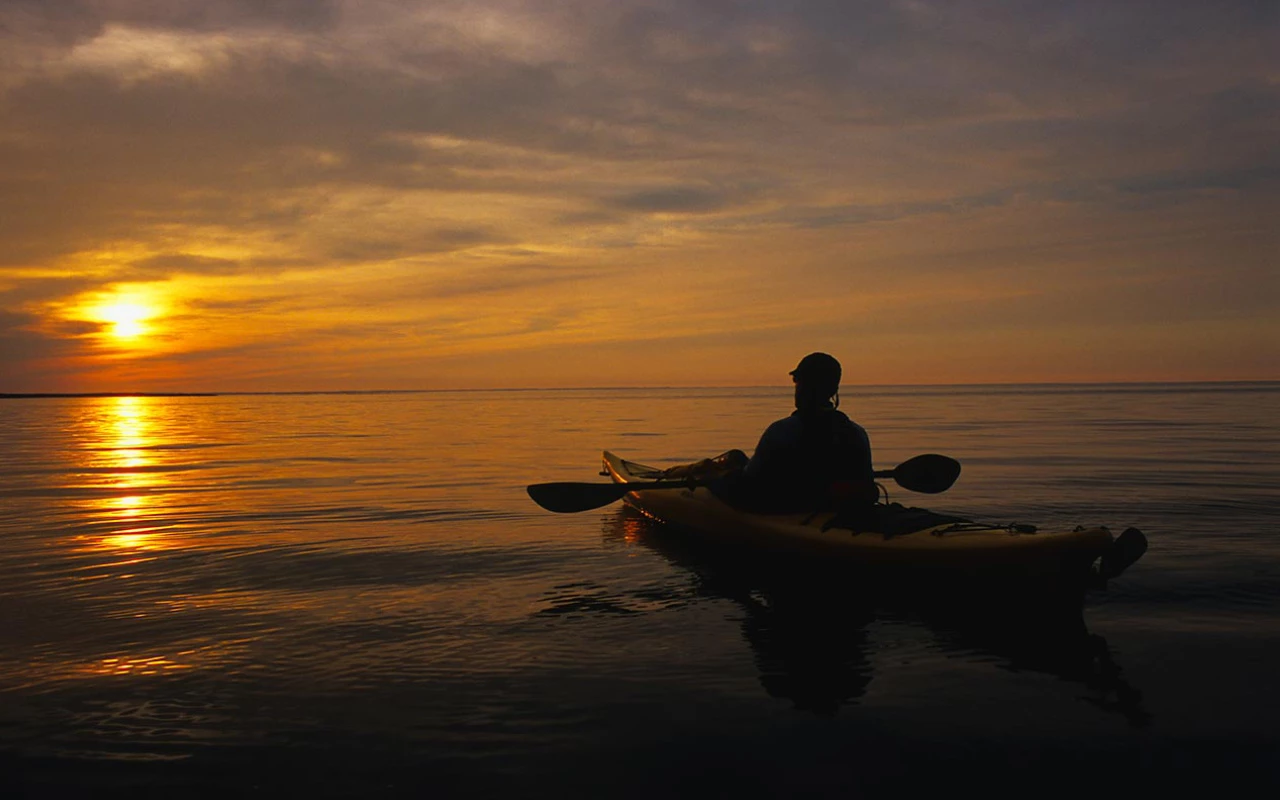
[817, 458]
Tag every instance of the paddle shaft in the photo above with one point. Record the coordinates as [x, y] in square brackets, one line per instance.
[929, 474]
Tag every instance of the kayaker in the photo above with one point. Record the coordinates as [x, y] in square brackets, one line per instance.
[816, 459]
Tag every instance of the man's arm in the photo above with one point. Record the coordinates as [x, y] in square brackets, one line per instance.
[776, 439]
[859, 488]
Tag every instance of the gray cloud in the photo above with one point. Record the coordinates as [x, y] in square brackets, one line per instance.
[508, 278]
[168, 264]
[859, 214]
[26, 350]
[259, 123]
[1193, 180]
[70, 21]
[688, 199]
[43, 289]
[413, 243]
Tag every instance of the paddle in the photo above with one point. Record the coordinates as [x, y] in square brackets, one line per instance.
[928, 474]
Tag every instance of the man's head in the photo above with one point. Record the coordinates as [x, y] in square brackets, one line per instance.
[817, 379]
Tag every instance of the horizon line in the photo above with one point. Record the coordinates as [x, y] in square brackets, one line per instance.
[268, 392]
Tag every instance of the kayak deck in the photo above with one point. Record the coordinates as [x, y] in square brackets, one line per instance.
[903, 537]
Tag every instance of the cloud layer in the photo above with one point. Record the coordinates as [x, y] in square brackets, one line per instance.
[396, 194]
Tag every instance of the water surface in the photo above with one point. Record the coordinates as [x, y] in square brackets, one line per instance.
[353, 594]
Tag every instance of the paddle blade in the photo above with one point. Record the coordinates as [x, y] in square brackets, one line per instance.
[570, 498]
[928, 474]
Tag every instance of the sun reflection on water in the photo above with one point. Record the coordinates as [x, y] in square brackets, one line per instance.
[125, 437]
[137, 665]
[141, 539]
[129, 506]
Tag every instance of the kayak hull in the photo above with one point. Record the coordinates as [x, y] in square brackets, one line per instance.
[951, 547]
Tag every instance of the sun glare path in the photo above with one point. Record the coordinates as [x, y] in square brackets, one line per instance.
[131, 513]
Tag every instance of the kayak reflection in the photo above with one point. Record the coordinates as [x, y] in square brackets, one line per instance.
[807, 623]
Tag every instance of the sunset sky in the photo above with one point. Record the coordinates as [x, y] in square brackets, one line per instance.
[217, 195]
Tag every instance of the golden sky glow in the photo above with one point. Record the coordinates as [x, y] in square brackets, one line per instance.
[280, 195]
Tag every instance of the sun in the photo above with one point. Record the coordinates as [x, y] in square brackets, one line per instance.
[126, 318]
[124, 314]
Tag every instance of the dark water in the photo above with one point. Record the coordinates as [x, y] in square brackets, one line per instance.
[352, 595]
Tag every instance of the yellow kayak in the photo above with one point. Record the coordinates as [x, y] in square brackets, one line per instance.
[898, 536]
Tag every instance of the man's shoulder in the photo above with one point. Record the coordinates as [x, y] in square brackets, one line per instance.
[852, 429]
[787, 426]
[843, 419]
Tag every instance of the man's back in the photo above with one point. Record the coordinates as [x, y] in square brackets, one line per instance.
[803, 460]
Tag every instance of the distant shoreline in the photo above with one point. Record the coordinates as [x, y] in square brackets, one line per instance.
[39, 395]
[931, 387]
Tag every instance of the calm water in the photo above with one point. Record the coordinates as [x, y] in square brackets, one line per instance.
[352, 594]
